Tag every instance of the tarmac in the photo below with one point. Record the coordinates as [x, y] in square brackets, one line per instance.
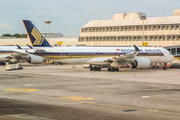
[59, 92]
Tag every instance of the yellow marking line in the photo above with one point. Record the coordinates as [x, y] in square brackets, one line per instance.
[110, 105]
[76, 98]
[20, 89]
[117, 106]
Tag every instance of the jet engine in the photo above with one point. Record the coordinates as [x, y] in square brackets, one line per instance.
[35, 59]
[141, 63]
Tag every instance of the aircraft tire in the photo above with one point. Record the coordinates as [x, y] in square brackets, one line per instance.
[157, 67]
[164, 68]
[95, 68]
[113, 69]
[92, 68]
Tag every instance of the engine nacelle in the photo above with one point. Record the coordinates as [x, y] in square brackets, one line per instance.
[141, 63]
[35, 59]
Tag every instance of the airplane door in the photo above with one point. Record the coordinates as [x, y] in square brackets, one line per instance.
[62, 53]
[165, 53]
[98, 52]
[161, 58]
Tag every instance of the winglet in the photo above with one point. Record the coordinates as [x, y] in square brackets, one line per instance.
[30, 46]
[136, 48]
[18, 46]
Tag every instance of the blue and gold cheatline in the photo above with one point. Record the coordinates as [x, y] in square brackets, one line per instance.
[70, 55]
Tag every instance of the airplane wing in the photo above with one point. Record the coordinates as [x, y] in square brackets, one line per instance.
[14, 57]
[40, 51]
[18, 55]
[33, 51]
[19, 52]
[127, 58]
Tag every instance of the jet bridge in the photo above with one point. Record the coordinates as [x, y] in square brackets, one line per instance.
[174, 50]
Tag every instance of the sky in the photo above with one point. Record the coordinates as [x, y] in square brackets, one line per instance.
[68, 16]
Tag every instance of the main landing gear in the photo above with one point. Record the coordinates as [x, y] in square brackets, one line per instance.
[110, 69]
[95, 69]
[155, 67]
[113, 69]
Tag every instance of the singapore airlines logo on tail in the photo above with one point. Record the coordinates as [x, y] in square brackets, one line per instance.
[38, 38]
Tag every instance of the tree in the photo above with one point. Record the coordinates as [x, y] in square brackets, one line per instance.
[6, 35]
[23, 36]
[16, 35]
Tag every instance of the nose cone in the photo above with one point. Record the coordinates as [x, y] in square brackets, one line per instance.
[172, 58]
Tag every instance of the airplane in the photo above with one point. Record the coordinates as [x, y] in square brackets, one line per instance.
[13, 54]
[97, 57]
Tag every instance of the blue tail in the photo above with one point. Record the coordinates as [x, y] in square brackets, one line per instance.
[37, 40]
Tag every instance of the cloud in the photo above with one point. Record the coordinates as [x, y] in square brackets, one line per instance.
[5, 25]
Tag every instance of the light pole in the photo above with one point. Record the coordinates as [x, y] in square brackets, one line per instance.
[143, 17]
[48, 22]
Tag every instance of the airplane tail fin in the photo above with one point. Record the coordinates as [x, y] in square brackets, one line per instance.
[30, 46]
[37, 40]
[18, 46]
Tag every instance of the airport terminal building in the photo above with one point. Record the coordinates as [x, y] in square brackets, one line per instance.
[127, 29]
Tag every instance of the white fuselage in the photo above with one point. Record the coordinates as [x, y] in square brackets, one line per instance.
[97, 55]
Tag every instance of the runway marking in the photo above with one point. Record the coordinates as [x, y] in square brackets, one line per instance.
[71, 103]
[50, 94]
[150, 109]
[20, 89]
[28, 85]
[76, 98]
[145, 96]
[153, 110]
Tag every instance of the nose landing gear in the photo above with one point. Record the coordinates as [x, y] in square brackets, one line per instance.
[165, 67]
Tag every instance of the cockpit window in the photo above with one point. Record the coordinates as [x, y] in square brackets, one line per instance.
[168, 50]
[166, 53]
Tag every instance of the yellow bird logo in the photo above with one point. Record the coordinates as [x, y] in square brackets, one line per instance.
[38, 38]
